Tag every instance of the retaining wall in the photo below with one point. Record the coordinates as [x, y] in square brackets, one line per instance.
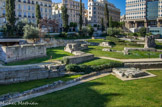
[16, 74]
[79, 58]
[144, 65]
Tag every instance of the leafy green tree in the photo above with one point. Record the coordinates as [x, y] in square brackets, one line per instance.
[10, 17]
[80, 16]
[113, 31]
[102, 25]
[38, 13]
[106, 12]
[31, 32]
[110, 22]
[142, 31]
[65, 18]
[19, 27]
[90, 30]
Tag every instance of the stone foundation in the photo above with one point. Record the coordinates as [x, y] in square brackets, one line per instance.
[71, 47]
[22, 52]
[105, 44]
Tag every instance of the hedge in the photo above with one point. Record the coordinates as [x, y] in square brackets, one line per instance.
[88, 69]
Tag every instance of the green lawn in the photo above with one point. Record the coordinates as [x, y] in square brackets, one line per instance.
[56, 53]
[108, 91]
[98, 62]
[20, 87]
[97, 51]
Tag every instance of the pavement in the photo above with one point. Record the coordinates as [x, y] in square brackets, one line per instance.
[134, 60]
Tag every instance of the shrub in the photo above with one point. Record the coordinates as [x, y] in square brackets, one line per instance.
[65, 60]
[142, 31]
[113, 31]
[31, 32]
[88, 69]
[73, 68]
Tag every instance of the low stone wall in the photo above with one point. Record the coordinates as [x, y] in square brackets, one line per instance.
[22, 52]
[127, 50]
[144, 65]
[79, 58]
[16, 74]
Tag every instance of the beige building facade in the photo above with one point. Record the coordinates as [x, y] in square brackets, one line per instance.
[73, 8]
[26, 9]
[96, 11]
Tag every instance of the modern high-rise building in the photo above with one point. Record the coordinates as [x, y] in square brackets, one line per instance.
[143, 13]
[26, 9]
[96, 11]
[73, 8]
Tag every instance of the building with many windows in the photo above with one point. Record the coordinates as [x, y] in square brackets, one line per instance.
[143, 13]
[96, 11]
[26, 9]
[73, 8]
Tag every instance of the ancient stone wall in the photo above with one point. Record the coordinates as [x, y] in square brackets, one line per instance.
[22, 52]
[127, 50]
[16, 74]
[79, 58]
[144, 65]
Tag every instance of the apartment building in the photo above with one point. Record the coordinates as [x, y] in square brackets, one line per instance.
[26, 9]
[96, 11]
[143, 13]
[73, 8]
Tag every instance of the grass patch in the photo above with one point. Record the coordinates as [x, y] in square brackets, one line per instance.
[108, 91]
[56, 53]
[98, 62]
[20, 87]
[97, 51]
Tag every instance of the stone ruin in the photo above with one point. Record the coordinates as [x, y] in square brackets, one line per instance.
[150, 42]
[110, 50]
[129, 72]
[105, 44]
[22, 52]
[71, 47]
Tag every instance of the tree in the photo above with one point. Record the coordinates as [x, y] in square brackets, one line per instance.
[110, 22]
[31, 32]
[102, 25]
[80, 16]
[113, 31]
[106, 12]
[65, 18]
[142, 31]
[19, 27]
[38, 14]
[90, 30]
[49, 24]
[10, 17]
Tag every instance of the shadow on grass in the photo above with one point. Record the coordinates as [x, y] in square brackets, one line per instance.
[78, 96]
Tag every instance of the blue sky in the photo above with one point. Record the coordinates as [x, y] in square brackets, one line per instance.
[118, 3]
